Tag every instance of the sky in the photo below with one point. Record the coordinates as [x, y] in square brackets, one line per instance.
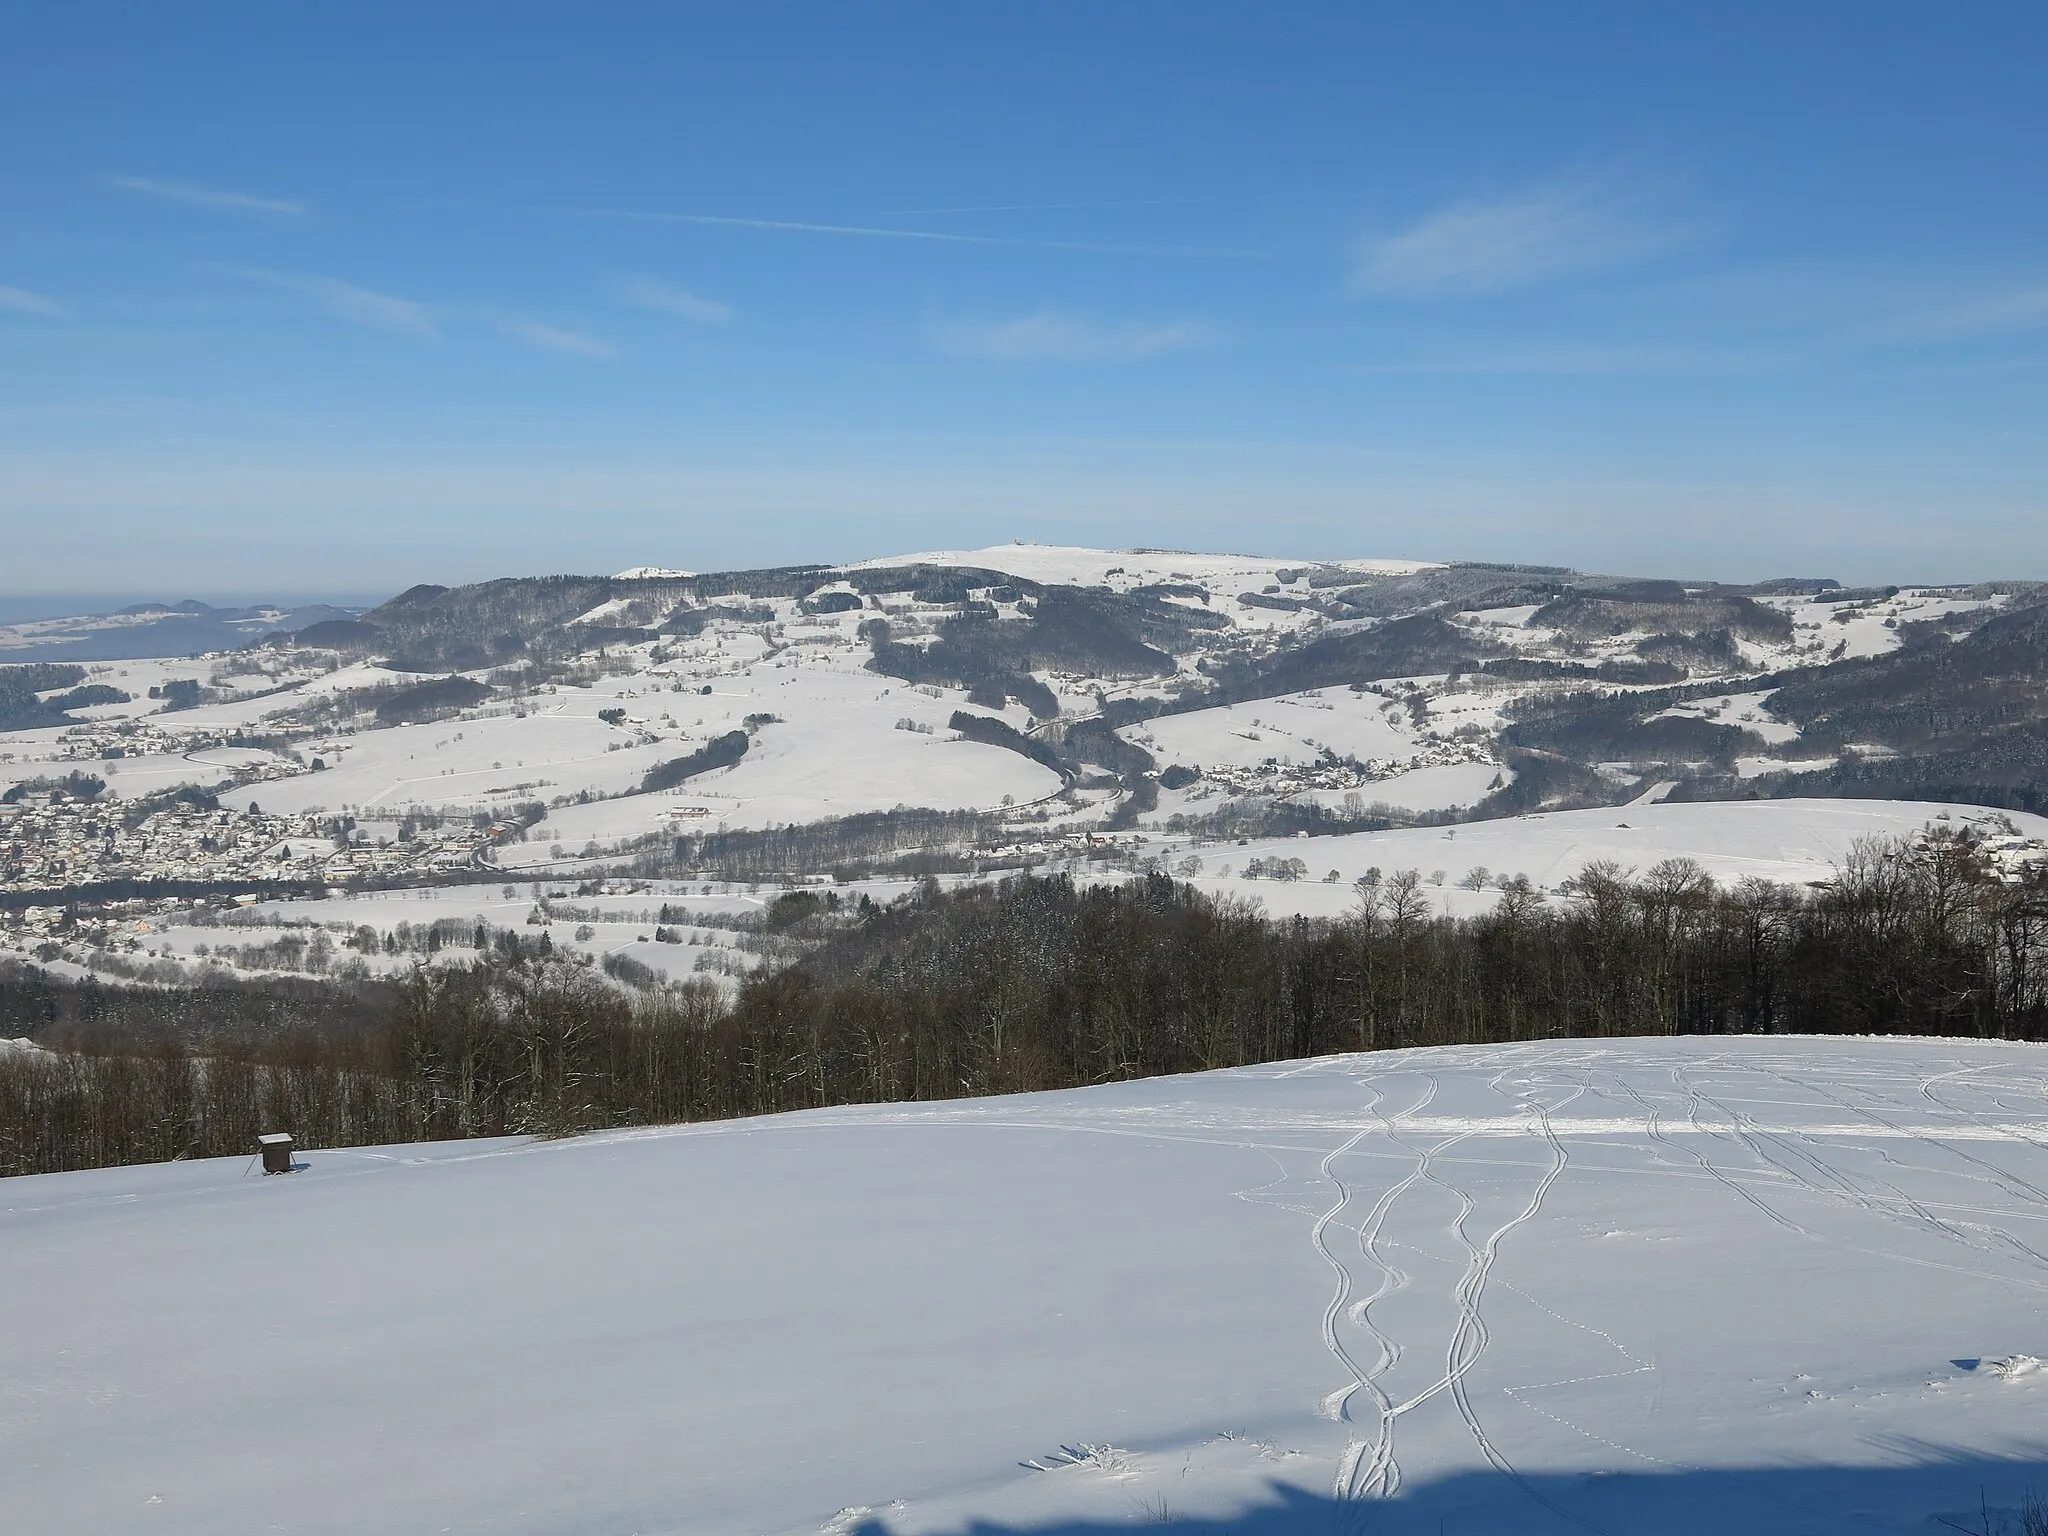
[334, 298]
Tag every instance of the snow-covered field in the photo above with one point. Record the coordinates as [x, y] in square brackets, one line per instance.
[1747, 710]
[1789, 841]
[1292, 728]
[1667, 1286]
[1870, 627]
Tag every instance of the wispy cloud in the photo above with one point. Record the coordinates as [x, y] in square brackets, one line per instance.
[1541, 236]
[204, 197]
[347, 301]
[551, 339]
[1594, 361]
[1050, 336]
[653, 293]
[20, 301]
[872, 232]
[1121, 202]
[2005, 314]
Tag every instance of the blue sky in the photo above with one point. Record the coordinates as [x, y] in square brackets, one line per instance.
[335, 298]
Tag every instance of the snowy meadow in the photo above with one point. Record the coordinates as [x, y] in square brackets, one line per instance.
[1675, 1285]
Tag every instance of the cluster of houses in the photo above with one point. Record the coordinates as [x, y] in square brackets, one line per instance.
[52, 840]
[2012, 856]
[109, 741]
[1279, 780]
[98, 925]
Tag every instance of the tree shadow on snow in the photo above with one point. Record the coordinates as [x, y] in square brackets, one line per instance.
[1930, 1490]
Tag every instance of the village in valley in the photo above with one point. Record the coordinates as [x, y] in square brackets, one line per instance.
[712, 741]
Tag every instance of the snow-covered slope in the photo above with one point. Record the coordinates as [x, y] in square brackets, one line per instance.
[1789, 842]
[1665, 1286]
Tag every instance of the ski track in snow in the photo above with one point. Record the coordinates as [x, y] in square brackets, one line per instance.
[1473, 1335]
[1826, 1181]
[1370, 1469]
[2013, 1184]
[1543, 1082]
[1380, 1477]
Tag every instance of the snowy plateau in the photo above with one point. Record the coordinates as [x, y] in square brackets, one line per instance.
[1662, 1286]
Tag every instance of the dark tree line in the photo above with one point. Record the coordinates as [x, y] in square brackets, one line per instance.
[719, 752]
[431, 701]
[865, 841]
[1028, 984]
[20, 706]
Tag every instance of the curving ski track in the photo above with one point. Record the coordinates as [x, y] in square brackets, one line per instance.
[1778, 1166]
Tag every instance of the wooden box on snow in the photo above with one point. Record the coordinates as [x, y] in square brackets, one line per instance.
[277, 1152]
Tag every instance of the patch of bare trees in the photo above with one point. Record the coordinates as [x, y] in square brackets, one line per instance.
[1032, 984]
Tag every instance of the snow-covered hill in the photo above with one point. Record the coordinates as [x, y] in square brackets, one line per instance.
[1071, 565]
[1667, 1286]
[1048, 694]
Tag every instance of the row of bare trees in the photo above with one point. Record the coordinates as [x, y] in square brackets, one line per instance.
[1034, 984]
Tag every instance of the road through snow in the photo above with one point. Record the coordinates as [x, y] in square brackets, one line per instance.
[1662, 1285]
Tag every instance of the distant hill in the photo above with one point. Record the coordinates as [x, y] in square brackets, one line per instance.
[1586, 684]
[1199, 695]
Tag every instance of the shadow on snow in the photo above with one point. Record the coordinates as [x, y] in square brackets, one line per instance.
[1939, 1489]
